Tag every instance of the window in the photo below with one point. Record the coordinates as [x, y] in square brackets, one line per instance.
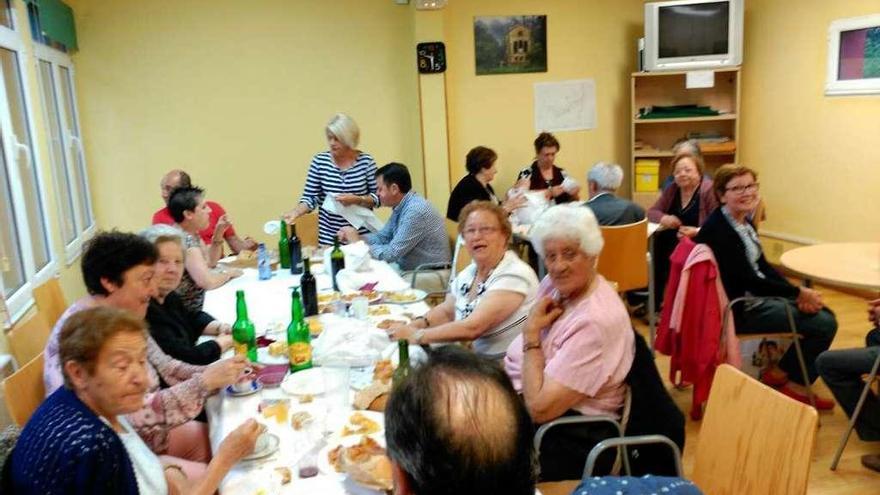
[25, 253]
[65, 149]
[854, 56]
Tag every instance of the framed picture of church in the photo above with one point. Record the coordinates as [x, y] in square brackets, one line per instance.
[510, 44]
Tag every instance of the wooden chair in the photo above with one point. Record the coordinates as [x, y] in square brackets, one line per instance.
[626, 261]
[624, 258]
[24, 390]
[307, 229]
[753, 439]
[28, 337]
[50, 300]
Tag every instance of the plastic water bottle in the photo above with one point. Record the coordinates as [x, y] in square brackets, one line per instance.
[264, 267]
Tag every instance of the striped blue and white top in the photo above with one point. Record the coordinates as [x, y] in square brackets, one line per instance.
[326, 177]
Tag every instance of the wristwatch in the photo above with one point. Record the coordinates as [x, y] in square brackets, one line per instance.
[418, 335]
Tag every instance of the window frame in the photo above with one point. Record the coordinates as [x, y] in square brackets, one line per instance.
[834, 86]
[22, 299]
[56, 59]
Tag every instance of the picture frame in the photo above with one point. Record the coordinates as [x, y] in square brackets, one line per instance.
[510, 44]
[853, 56]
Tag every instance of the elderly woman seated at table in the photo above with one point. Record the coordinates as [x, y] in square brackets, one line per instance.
[78, 440]
[188, 208]
[489, 300]
[577, 345]
[680, 210]
[174, 327]
[745, 271]
[117, 269]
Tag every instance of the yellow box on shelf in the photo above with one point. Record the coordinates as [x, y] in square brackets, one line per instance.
[647, 175]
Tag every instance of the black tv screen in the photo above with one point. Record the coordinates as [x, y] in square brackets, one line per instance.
[693, 30]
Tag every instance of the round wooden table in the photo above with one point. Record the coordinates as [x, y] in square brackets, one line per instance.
[854, 265]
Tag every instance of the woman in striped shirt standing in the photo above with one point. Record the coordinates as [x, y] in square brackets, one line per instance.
[344, 171]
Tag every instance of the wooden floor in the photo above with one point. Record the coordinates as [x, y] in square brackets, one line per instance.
[850, 477]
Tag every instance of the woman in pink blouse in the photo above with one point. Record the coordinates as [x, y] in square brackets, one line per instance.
[577, 346]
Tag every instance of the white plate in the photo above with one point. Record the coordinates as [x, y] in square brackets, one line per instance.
[324, 465]
[417, 294]
[374, 311]
[306, 382]
[267, 444]
[376, 320]
[377, 296]
[336, 422]
[263, 357]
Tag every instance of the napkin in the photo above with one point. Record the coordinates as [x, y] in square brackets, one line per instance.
[357, 256]
[357, 216]
[353, 280]
[349, 341]
[535, 205]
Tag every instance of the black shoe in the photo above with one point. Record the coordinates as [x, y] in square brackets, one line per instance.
[871, 461]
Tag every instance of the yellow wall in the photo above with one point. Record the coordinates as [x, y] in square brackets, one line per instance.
[817, 156]
[238, 94]
[586, 39]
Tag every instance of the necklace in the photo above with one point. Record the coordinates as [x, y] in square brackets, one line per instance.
[479, 283]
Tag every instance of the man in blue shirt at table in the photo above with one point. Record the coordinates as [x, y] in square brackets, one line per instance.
[415, 234]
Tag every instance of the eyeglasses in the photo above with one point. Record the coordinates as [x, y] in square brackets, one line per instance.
[470, 231]
[741, 189]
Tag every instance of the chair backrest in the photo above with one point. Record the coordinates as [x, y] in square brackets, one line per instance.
[307, 229]
[50, 300]
[28, 337]
[753, 439]
[24, 390]
[461, 258]
[624, 258]
[652, 412]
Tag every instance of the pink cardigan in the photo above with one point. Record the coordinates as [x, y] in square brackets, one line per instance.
[708, 203]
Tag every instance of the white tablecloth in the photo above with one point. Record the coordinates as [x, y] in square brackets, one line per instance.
[268, 301]
[269, 308]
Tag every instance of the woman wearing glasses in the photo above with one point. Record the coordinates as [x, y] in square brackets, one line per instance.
[489, 300]
[745, 271]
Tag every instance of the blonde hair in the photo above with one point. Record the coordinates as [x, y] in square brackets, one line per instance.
[345, 129]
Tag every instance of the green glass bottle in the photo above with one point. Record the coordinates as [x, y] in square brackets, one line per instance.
[337, 262]
[299, 340]
[243, 334]
[283, 246]
[403, 367]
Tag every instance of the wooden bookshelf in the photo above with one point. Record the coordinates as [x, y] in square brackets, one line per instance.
[667, 89]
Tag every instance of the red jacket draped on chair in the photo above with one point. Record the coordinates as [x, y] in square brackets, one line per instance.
[690, 324]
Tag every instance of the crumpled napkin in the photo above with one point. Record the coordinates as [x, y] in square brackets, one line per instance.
[349, 341]
[357, 216]
[357, 256]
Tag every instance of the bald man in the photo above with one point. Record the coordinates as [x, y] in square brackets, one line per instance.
[211, 235]
[457, 426]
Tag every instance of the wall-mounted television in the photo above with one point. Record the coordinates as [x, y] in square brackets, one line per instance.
[693, 34]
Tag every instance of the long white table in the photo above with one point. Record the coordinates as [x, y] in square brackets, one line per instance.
[269, 308]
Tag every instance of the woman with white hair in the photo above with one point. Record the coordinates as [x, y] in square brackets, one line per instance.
[603, 181]
[344, 172]
[577, 345]
[174, 327]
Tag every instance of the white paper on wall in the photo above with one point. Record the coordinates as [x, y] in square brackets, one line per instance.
[565, 105]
